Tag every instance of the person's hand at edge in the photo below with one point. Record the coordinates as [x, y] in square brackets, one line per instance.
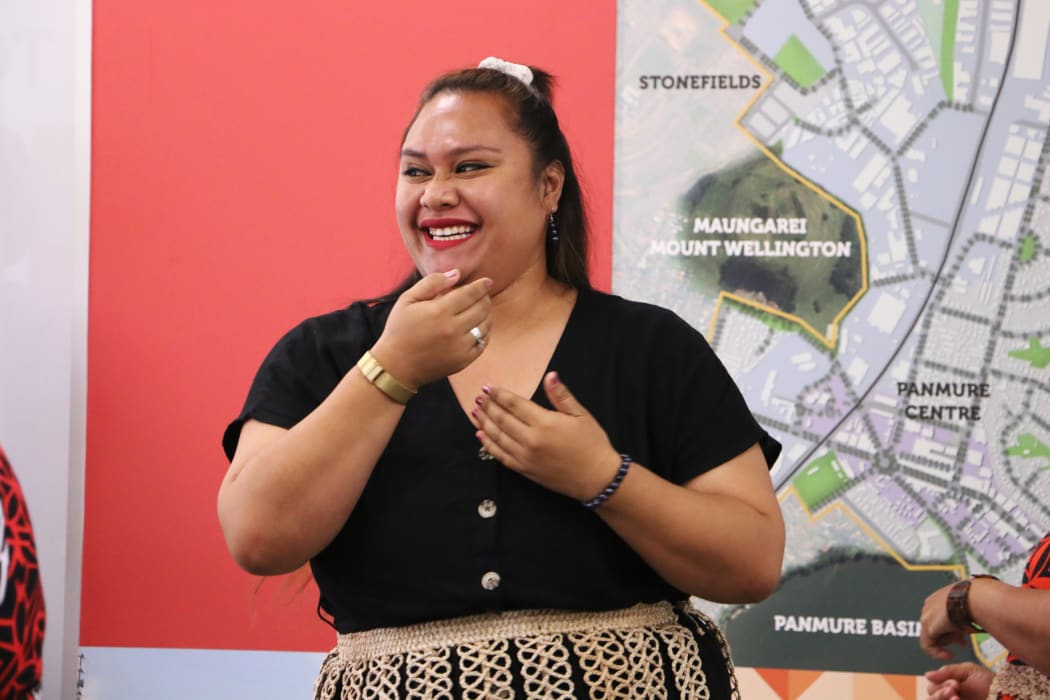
[965, 681]
[937, 632]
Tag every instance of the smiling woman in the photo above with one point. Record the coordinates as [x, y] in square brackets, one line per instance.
[477, 529]
[468, 197]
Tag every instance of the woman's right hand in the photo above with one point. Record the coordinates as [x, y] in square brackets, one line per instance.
[966, 681]
[427, 335]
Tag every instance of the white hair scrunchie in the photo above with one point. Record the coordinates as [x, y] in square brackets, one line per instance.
[514, 70]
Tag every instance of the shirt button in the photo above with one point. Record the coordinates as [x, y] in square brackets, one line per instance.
[487, 508]
[490, 581]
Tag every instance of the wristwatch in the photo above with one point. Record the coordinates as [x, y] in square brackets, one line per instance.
[958, 603]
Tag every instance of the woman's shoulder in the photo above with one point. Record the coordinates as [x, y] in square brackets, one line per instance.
[351, 328]
[360, 316]
[635, 316]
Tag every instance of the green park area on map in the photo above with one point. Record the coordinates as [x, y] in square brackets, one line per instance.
[1035, 354]
[947, 62]
[819, 481]
[1028, 248]
[1029, 447]
[813, 289]
[731, 10]
[796, 60]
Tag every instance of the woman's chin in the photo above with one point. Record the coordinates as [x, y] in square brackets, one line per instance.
[468, 270]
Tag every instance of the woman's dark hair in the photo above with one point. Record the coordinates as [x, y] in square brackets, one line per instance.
[533, 118]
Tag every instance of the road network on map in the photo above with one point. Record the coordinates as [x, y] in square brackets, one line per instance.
[916, 413]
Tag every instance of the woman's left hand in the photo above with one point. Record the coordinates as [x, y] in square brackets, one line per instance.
[565, 450]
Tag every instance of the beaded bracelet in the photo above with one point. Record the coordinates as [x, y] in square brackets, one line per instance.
[625, 464]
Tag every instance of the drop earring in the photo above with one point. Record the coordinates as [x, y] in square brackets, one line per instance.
[552, 229]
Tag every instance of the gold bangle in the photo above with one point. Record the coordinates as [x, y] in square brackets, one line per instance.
[383, 380]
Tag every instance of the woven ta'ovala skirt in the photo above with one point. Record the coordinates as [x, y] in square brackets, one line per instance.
[646, 652]
[1019, 682]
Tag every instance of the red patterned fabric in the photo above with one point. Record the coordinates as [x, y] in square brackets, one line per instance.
[21, 597]
[1036, 575]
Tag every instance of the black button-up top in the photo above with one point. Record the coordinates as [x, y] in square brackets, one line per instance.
[443, 530]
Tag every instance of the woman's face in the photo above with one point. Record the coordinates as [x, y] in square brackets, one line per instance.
[468, 196]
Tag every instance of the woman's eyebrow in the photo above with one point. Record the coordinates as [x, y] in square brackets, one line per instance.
[455, 152]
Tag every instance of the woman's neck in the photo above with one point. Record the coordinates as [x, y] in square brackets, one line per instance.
[526, 324]
[525, 299]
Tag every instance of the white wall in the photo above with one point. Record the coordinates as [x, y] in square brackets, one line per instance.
[45, 82]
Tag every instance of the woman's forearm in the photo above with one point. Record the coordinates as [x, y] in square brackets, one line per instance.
[708, 543]
[288, 492]
[1016, 617]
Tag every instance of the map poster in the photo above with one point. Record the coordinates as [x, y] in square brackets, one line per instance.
[851, 201]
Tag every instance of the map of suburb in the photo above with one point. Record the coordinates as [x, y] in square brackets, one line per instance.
[851, 200]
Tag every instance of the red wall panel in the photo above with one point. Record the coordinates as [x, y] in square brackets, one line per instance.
[244, 157]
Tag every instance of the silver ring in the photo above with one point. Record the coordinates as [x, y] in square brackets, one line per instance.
[479, 338]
